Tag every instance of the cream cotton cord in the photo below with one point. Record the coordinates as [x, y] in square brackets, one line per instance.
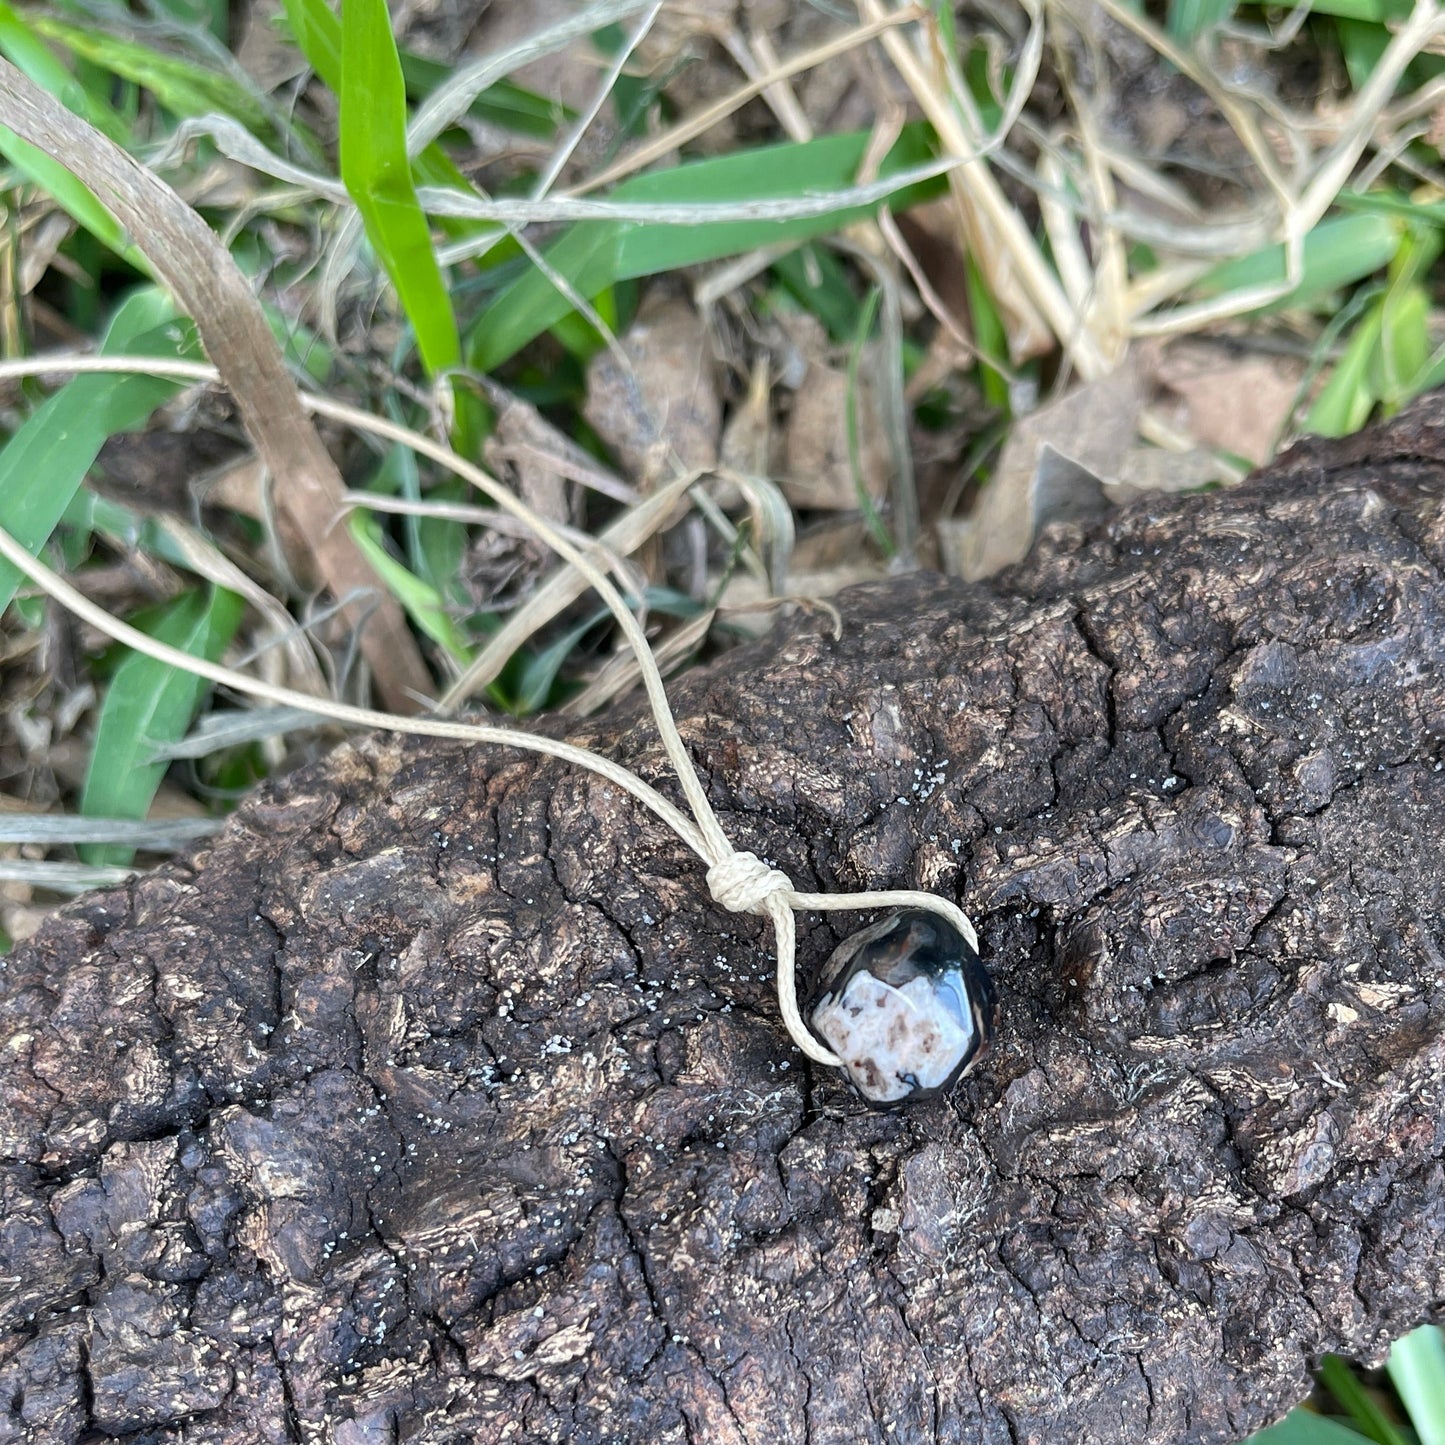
[737, 880]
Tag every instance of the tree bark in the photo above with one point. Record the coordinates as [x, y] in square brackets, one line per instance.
[435, 1102]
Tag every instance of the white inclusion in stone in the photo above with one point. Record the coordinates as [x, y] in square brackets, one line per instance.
[895, 1042]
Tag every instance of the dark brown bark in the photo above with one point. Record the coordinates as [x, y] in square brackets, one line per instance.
[434, 1101]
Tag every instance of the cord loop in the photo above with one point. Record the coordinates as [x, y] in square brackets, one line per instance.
[739, 881]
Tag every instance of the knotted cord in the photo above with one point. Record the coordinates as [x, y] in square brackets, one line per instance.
[737, 880]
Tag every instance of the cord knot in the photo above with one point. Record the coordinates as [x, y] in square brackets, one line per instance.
[743, 883]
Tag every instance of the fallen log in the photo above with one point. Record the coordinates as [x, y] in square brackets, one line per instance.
[434, 1101]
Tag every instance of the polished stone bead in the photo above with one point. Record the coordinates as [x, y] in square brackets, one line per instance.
[907, 1005]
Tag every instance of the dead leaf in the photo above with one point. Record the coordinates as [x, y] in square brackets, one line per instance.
[621, 672]
[262, 50]
[152, 470]
[817, 468]
[827, 558]
[747, 440]
[499, 570]
[244, 486]
[522, 435]
[932, 234]
[665, 400]
[565, 585]
[1052, 468]
[569, 75]
[1151, 469]
[1229, 399]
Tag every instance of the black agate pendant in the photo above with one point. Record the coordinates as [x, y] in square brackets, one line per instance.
[907, 1005]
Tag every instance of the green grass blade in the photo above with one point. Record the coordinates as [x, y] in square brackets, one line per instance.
[1344, 404]
[181, 85]
[1376, 12]
[537, 681]
[317, 31]
[593, 255]
[435, 547]
[381, 179]
[1301, 1427]
[779, 172]
[1337, 253]
[818, 281]
[1387, 203]
[24, 49]
[539, 673]
[46, 460]
[150, 703]
[1190, 18]
[1417, 1370]
[1418, 251]
[1404, 349]
[989, 336]
[1362, 43]
[318, 34]
[377, 173]
[587, 255]
[124, 528]
[1388, 358]
[1432, 375]
[439, 546]
[503, 104]
[30, 54]
[423, 603]
[1344, 1384]
[71, 196]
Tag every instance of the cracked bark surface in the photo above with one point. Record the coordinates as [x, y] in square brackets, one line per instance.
[434, 1102]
